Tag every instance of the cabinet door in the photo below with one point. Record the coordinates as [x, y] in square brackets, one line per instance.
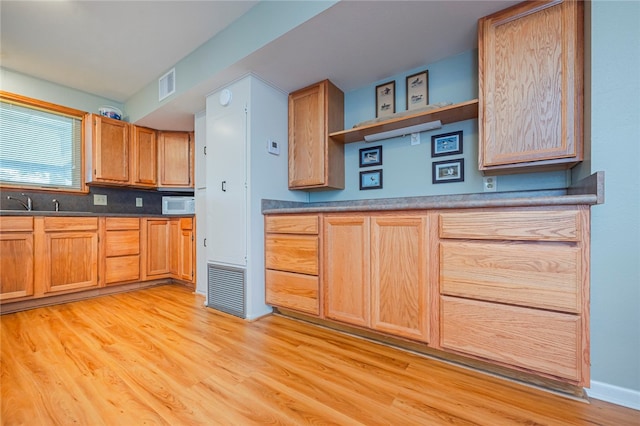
[110, 150]
[175, 241]
[16, 265]
[175, 157]
[227, 188]
[346, 269]
[158, 250]
[315, 160]
[531, 86]
[186, 255]
[399, 276]
[144, 157]
[71, 260]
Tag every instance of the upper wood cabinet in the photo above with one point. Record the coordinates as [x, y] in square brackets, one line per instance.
[175, 159]
[531, 87]
[144, 157]
[316, 161]
[109, 151]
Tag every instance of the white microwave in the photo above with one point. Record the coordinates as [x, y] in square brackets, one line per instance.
[178, 205]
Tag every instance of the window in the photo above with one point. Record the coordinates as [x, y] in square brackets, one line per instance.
[40, 145]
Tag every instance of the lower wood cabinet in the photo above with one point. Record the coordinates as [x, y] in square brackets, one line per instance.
[43, 256]
[514, 288]
[292, 262]
[121, 250]
[505, 286]
[375, 269]
[16, 257]
[70, 252]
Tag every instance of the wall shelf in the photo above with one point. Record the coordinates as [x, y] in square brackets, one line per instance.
[449, 114]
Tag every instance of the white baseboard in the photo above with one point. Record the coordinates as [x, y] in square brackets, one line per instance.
[615, 395]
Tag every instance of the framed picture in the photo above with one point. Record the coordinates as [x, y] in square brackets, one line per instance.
[446, 144]
[371, 156]
[448, 171]
[417, 90]
[386, 99]
[371, 179]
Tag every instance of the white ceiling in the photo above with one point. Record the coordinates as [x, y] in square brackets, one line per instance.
[115, 48]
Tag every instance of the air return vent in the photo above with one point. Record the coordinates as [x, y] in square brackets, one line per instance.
[226, 290]
[167, 84]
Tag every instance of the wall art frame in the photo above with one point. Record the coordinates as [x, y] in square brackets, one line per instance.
[371, 179]
[417, 90]
[386, 99]
[371, 156]
[446, 144]
[448, 171]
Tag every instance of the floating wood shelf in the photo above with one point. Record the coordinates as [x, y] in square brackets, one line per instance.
[449, 114]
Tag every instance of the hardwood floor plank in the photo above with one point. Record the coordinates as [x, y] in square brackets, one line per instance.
[157, 356]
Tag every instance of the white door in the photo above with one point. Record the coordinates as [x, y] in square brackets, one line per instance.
[226, 187]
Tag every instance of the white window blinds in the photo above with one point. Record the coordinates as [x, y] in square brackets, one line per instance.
[39, 148]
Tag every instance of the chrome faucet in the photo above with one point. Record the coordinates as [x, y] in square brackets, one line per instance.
[28, 205]
[57, 204]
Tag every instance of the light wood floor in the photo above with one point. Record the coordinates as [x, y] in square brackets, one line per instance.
[157, 356]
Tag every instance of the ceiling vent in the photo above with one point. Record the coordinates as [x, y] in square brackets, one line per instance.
[167, 84]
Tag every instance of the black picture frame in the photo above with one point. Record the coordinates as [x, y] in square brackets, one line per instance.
[446, 144]
[371, 179]
[448, 171]
[417, 86]
[386, 99]
[371, 156]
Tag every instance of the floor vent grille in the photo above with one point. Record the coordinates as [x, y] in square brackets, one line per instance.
[226, 290]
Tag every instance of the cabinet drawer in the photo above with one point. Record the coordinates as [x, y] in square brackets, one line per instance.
[543, 341]
[538, 225]
[122, 223]
[293, 253]
[124, 268]
[70, 223]
[292, 224]
[120, 243]
[528, 274]
[16, 223]
[293, 291]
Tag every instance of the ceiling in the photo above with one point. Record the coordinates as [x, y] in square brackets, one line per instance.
[114, 49]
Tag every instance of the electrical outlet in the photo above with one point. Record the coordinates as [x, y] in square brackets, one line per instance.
[490, 183]
[99, 200]
[138, 201]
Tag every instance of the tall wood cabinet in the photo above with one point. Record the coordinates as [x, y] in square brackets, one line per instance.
[531, 87]
[375, 272]
[316, 161]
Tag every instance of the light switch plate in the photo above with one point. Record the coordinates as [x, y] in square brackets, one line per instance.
[415, 138]
[138, 201]
[99, 200]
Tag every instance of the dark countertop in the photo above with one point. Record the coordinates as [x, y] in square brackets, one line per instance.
[84, 214]
[588, 191]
